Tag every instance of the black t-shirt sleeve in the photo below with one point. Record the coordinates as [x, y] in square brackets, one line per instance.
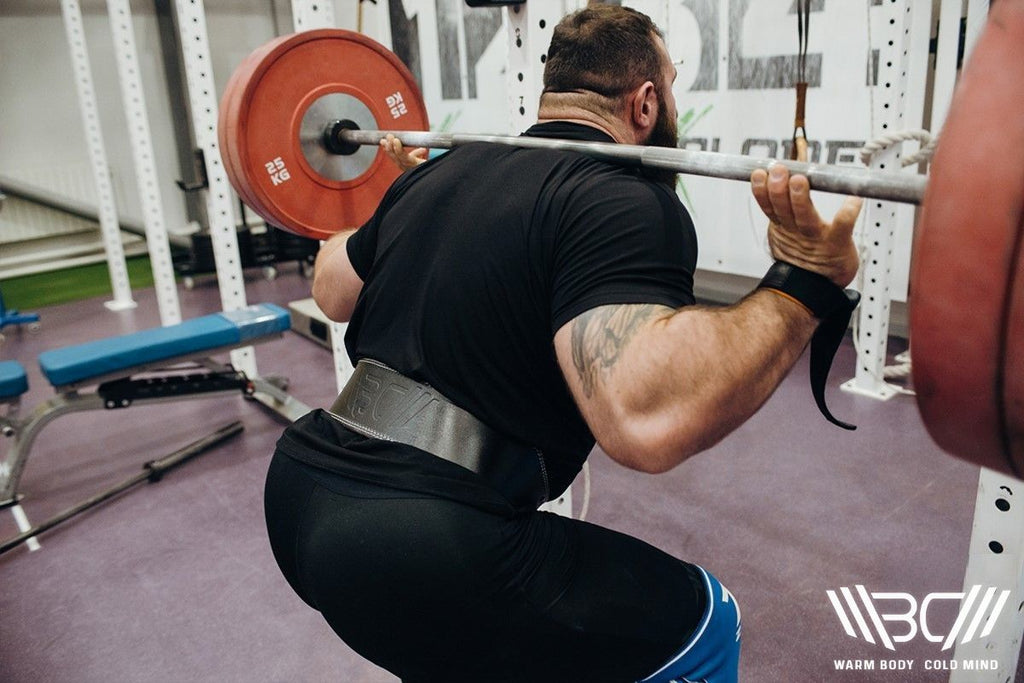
[627, 241]
[362, 247]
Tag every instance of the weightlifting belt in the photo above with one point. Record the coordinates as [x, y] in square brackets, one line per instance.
[383, 404]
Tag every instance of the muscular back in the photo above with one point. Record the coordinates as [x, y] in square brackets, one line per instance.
[477, 258]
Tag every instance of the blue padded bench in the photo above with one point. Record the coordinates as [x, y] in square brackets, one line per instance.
[103, 357]
[13, 381]
[111, 363]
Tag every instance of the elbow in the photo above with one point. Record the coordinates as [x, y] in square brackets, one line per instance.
[332, 302]
[336, 285]
[654, 444]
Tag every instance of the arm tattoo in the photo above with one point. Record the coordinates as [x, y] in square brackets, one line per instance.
[600, 335]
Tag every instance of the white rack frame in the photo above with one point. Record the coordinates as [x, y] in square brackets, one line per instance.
[74, 28]
[996, 558]
[881, 219]
[202, 95]
[529, 34]
[134, 102]
[312, 14]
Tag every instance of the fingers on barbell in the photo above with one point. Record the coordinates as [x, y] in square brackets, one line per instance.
[390, 144]
[805, 216]
[395, 151]
[759, 188]
[778, 195]
[392, 147]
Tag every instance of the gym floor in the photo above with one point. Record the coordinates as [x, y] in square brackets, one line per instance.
[174, 581]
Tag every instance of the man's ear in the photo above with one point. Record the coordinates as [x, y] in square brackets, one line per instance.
[643, 108]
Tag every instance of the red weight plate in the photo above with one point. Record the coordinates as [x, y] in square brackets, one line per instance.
[967, 279]
[1013, 372]
[300, 83]
[228, 113]
[227, 124]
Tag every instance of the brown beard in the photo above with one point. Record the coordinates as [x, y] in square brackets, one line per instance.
[664, 134]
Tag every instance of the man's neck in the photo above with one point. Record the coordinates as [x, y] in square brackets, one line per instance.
[614, 126]
[582, 122]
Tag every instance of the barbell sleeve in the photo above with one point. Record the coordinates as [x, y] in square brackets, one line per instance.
[905, 188]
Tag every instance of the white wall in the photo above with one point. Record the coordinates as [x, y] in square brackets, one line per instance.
[40, 124]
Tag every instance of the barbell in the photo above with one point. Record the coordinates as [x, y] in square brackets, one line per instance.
[301, 118]
[300, 114]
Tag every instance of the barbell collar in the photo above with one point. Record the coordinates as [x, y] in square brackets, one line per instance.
[905, 188]
[334, 143]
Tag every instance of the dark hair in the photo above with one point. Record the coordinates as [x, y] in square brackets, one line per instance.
[605, 49]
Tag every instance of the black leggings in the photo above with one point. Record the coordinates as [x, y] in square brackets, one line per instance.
[435, 590]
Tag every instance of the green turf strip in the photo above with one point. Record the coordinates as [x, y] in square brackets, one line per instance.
[30, 292]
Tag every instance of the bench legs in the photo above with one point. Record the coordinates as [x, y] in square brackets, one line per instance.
[24, 432]
[23, 525]
[269, 392]
[118, 394]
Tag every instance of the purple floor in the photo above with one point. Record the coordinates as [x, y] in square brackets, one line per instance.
[174, 581]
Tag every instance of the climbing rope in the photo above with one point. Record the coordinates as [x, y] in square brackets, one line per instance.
[925, 152]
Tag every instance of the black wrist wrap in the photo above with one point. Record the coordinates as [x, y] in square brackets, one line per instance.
[832, 305]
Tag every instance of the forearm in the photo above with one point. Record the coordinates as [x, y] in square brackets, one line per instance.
[685, 379]
[335, 284]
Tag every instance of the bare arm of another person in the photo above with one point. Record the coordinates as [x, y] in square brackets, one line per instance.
[335, 282]
[657, 385]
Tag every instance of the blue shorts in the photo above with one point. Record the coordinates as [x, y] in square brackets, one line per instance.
[712, 654]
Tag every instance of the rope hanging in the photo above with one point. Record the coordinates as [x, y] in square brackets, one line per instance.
[798, 151]
[888, 140]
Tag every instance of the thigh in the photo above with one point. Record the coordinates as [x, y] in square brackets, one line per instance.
[434, 590]
[615, 609]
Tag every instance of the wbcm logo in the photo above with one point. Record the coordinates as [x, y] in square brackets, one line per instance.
[865, 610]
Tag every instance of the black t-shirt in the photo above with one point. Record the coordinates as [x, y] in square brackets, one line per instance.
[476, 258]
